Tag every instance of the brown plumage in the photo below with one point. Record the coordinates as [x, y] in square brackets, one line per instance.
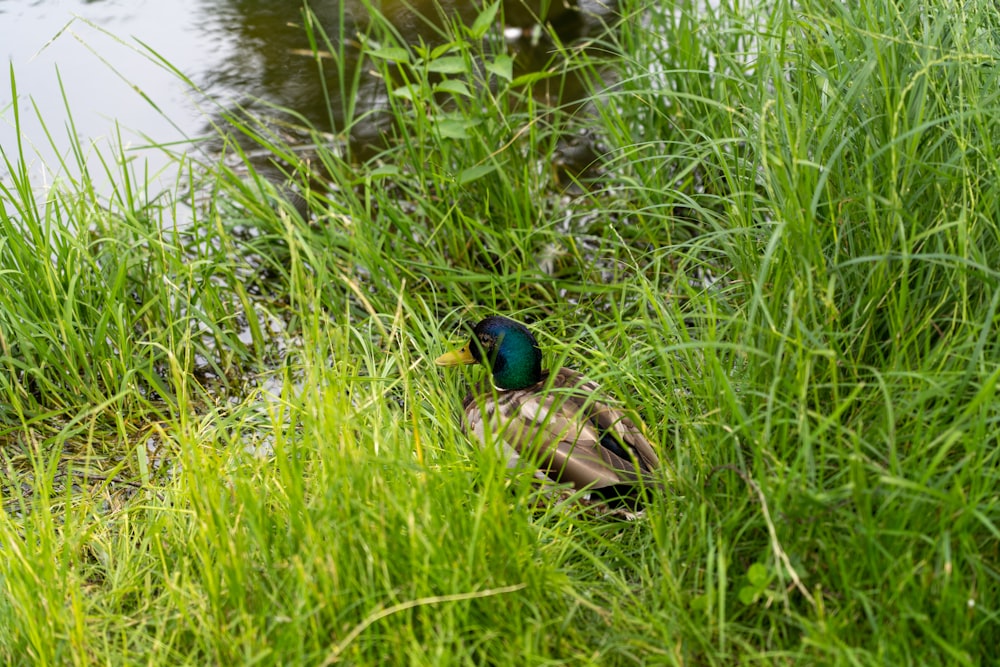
[554, 422]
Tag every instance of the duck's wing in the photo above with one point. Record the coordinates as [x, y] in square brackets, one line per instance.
[573, 436]
[620, 434]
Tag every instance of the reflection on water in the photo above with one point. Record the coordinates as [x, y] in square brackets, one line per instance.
[271, 60]
[236, 50]
[422, 17]
[82, 55]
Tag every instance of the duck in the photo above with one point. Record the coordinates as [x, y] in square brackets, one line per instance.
[555, 421]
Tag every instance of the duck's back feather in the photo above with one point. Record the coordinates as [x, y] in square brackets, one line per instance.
[561, 426]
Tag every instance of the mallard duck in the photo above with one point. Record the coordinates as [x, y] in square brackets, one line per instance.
[556, 421]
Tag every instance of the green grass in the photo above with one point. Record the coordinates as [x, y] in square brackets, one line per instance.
[225, 442]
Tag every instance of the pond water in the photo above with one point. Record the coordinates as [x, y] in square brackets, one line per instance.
[102, 65]
[92, 62]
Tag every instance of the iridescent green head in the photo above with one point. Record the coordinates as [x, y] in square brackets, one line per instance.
[506, 348]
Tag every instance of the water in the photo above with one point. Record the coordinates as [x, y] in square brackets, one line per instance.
[90, 61]
[100, 63]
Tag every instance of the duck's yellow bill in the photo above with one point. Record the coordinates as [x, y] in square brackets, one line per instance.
[456, 358]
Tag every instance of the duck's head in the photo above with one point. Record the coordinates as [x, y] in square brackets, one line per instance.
[506, 348]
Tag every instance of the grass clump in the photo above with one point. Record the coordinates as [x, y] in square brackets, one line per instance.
[226, 442]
